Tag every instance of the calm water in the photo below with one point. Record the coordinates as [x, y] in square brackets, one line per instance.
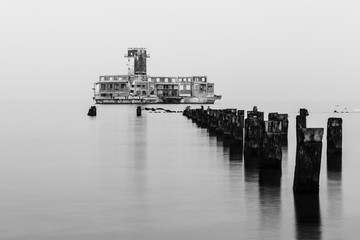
[64, 175]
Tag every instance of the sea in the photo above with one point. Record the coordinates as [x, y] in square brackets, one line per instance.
[65, 175]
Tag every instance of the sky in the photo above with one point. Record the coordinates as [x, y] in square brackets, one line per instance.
[278, 50]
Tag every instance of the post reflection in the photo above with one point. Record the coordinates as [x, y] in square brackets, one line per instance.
[334, 175]
[334, 163]
[139, 142]
[307, 214]
[251, 167]
[235, 149]
[270, 202]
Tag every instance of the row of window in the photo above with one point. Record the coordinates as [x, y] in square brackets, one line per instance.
[113, 78]
[110, 86]
[167, 86]
[185, 87]
[174, 80]
[122, 86]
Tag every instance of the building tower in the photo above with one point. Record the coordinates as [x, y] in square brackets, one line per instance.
[137, 61]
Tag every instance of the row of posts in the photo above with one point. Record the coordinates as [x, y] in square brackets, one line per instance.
[263, 140]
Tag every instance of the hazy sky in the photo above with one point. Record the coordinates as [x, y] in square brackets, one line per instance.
[278, 49]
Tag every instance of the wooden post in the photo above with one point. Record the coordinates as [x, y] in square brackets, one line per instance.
[254, 131]
[238, 130]
[301, 122]
[92, 111]
[334, 136]
[308, 160]
[284, 127]
[272, 153]
[138, 111]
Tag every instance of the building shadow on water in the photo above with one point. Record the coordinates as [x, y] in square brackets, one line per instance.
[307, 215]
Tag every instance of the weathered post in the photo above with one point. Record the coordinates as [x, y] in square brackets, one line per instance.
[272, 153]
[301, 122]
[308, 160]
[212, 121]
[138, 111]
[92, 111]
[284, 127]
[238, 129]
[334, 136]
[254, 131]
[220, 126]
[228, 123]
[186, 112]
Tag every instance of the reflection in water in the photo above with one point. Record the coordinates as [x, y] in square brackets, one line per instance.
[334, 194]
[308, 219]
[251, 166]
[284, 141]
[139, 142]
[270, 202]
[334, 163]
[235, 149]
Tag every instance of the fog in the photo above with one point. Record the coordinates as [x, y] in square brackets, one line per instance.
[273, 50]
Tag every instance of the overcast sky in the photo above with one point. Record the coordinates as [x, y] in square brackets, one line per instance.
[275, 50]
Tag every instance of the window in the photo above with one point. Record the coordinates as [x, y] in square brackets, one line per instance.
[166, 80]
[181, 87]
[188, 87]
[116, 86]
[107, 78]
[173, 80]
[102, 86]
[203, 79]
[189, 79]
[123, 86]
[157, 79]
[109, 86]
[149, 79]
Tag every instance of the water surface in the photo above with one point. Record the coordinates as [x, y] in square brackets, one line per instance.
[65, 175]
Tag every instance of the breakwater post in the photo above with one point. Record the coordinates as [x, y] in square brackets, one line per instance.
[254, 132]
[272, 153]
[238, 128]
[308, 160]
[282, 118]
[334, 136]
[301, 122]
[138, 111]
[92, 111]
